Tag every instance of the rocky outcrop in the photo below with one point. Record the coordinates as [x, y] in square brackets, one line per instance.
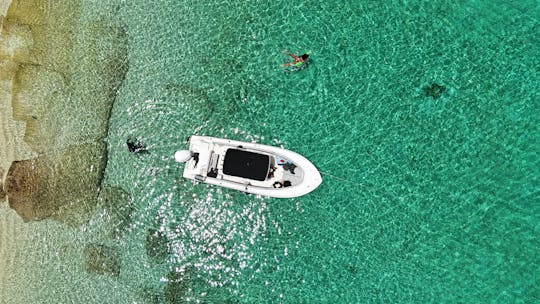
[64, 82]
[62, 186]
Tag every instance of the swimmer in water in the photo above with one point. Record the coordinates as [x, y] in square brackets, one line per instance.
[297, 60]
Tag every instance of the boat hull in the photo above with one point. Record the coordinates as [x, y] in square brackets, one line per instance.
[290, 174]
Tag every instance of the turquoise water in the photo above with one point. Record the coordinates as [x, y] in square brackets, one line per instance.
[425, 199]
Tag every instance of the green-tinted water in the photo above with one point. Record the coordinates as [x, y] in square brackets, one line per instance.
[429, 196]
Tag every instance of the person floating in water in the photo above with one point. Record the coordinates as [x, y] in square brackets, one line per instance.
[136, 146]
[298, 61]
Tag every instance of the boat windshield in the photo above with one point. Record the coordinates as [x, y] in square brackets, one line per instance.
[246, 164]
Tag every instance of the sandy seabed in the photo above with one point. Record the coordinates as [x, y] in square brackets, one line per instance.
[10, 133]
[47, 98]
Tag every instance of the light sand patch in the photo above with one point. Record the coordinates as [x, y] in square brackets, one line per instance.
[4, 5]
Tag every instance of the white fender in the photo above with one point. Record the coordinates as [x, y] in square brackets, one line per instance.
[182, 156]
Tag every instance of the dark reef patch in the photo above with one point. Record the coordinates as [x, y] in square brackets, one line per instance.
[434, 90]
[178, 286]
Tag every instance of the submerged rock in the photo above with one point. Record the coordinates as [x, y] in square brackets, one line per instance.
[101, 259]
[157, 244]
[178, 286]
[63, 89]
[434, 90]
[62, 186]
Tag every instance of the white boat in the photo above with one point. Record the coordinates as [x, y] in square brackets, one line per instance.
[249, 167]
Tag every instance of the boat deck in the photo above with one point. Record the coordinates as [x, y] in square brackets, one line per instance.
[277, 172]
[211, 165]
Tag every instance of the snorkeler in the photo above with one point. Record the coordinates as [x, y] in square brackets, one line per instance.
[136, 146]
[297, 60]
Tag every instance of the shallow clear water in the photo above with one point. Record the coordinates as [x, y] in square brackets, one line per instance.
[424, 199]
